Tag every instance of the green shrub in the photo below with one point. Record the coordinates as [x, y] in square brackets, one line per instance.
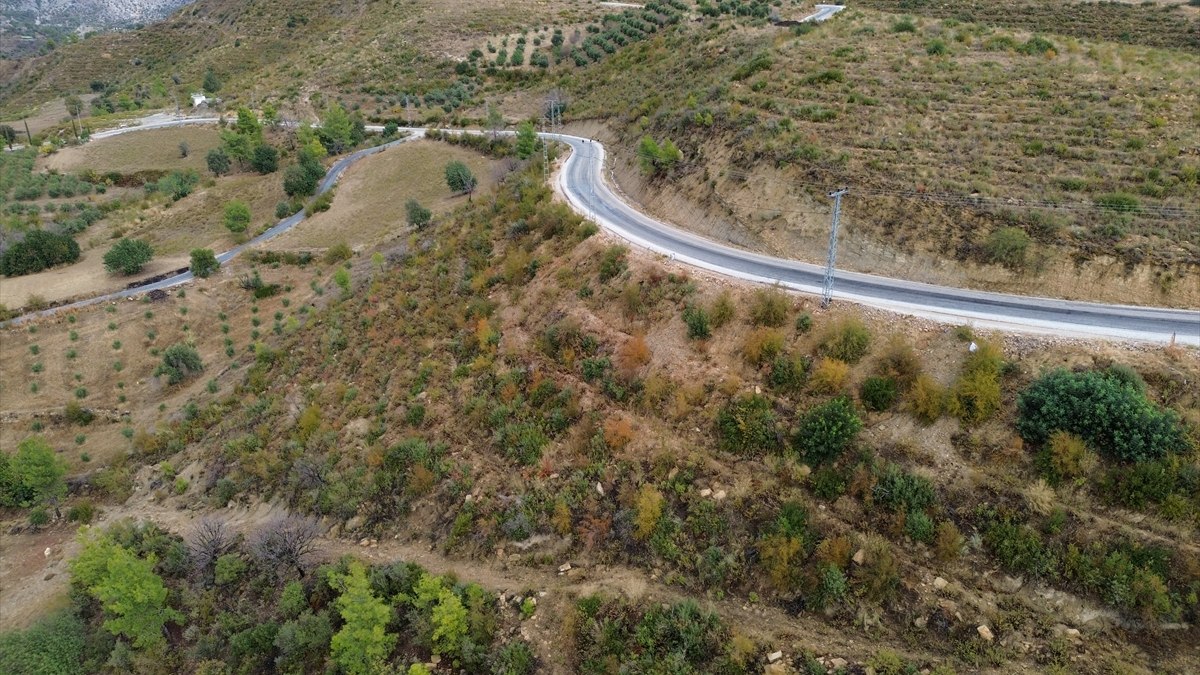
[746, 425]
[179, 362]
[878, 393]
[847, 340]
[53, 646]
[128, 256]
[1106, 411]
[1036, 46]
[788, 373]
[1118, 201]
[1019, 548]
[613, 262]
[918, 526]
[824, 432]
[204, 263]
[903, 492]
[698, 323]
[1007, 246]
[37, 251]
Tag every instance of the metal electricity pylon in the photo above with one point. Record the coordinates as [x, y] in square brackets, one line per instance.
[827, 289]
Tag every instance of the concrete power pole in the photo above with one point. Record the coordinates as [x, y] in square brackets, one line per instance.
[827, 289]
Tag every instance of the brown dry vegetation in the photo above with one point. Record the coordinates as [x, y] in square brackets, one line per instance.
[490, 360]
[369, 206]
[155, 150]
[855, 103]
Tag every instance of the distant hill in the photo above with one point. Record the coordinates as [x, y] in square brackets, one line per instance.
[73, 14]
[32, 27]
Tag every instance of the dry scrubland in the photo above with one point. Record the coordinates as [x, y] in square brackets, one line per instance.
[943, 111]
[508, 385]
[371, 195]
[155, 150]
[292, 48]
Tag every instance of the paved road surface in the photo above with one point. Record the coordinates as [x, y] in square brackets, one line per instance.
[583, 183]
[582, 180]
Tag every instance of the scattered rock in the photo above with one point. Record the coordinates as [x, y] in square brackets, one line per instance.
[47, 553]
[859, 557]
[705, 492]
[985, 632]
[838, 663]
[599, 488]
[435, 659]
[364, 542]
[564, 568]
[719, 495]
[354, 523]
[1006, 584]
[920, 621]
[48, 577]
[774, 656]
[940, 583]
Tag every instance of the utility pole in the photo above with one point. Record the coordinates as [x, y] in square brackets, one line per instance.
[827, 289]
[27, 134]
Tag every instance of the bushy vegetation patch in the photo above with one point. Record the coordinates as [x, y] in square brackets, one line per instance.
[1105, 410]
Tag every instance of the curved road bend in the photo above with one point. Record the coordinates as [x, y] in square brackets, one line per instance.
[587, 189]
[326, 184]
[583, 182]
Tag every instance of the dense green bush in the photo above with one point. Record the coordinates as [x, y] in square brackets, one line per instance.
[175, 185]
[878, 393]
[769, 308]
[204, 263]
[179, 362]
[824, 432]
[613, 262]
[37, 251]
[128, 256]
[1105, 410]
[903, 492]
[746, 425]
[609, 636]
[1007, 246]
[699, 327]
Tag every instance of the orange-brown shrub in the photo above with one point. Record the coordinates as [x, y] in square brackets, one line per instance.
[633, 354]
[618, 432]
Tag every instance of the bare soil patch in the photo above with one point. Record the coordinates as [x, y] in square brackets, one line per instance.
[142, 151]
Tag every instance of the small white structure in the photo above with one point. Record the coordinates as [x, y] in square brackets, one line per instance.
[199, 99]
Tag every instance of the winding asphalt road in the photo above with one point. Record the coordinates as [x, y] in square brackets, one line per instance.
[583, 182]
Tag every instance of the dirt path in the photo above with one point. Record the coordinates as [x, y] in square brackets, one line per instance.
[32, 582]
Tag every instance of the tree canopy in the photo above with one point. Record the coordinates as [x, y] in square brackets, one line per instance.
[128, 256]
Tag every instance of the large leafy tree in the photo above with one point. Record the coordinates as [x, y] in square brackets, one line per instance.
[526, 140]
[362, 645]
[237, 216]
[33, 475]
[132, 595]
[336, 131]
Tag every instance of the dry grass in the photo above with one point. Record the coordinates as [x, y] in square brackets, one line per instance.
[95, 359]
[369, 206]
[143, 151]
[172, 230]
